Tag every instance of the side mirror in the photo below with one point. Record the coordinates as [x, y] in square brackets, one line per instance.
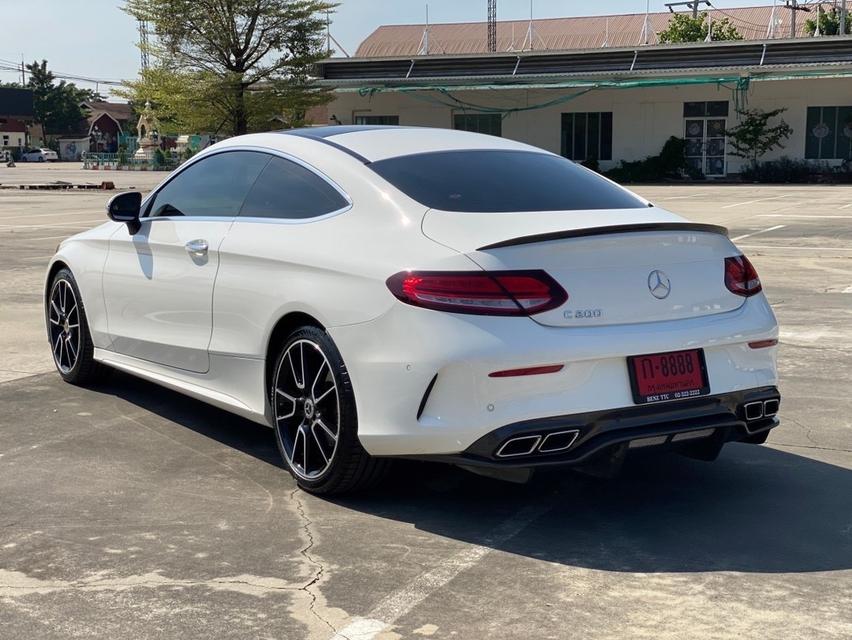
[126, 207]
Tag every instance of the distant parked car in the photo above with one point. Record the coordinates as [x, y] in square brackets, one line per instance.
[40, 155]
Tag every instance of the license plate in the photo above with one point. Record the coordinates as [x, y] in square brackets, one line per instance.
[658, 377]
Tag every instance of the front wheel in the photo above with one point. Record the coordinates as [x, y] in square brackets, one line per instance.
[315, 417]
[68, 331]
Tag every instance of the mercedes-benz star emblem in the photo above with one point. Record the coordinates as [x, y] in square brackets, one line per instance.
[659, 284]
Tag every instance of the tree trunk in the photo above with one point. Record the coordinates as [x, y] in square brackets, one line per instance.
[240, 112]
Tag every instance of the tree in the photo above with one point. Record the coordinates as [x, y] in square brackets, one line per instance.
[232, 64]
[684, 28]
[753, 137]
[829, 22]
[56, 104]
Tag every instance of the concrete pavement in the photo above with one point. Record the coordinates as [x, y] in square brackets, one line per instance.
[129, 511]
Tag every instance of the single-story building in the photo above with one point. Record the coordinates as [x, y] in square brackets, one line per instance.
[16, 116]
[106, 122]
[589, 88]
[13, 133]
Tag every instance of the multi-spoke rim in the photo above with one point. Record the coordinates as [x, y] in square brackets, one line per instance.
[63, 315]
[307, 409]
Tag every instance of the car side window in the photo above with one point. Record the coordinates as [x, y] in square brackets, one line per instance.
[215, 186]
[286, 189]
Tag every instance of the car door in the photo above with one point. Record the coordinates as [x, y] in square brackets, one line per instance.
[158, 283]
[277, 255]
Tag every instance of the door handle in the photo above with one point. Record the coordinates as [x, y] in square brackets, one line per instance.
[197, 248]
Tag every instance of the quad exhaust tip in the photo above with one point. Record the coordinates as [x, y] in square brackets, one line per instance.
[753, 410]
[770, 407]
[526, 445]
[521, 446]
[761, 409]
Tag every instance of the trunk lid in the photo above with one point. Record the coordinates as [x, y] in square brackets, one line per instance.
[618, 267]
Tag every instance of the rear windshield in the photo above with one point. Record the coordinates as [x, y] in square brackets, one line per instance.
[496, 181]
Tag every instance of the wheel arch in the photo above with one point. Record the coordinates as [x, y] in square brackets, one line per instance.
[55, 267]
[285, 325]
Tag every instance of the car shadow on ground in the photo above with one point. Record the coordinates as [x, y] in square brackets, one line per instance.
[756, 509]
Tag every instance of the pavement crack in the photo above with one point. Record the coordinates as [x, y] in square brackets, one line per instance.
[319, 568]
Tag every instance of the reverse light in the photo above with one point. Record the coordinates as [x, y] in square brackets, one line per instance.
[495, 293]
[741, 277]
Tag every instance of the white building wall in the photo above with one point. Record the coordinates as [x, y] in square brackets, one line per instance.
[643, 119]
[12, 138]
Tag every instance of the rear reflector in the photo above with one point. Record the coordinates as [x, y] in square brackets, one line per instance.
[741, 277]
[528, 371]
[496, 293]
[762, 344]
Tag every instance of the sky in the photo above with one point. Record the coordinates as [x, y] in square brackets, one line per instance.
[96, 39]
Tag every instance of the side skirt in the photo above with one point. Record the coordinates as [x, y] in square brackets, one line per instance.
[233, 383]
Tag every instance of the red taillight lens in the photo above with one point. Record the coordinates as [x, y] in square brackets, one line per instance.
[741, 277]
[498, 293]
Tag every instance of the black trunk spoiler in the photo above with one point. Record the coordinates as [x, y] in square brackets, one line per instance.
[601, 231]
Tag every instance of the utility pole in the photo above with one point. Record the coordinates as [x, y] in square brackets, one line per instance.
[143, 45]
[492, 25]
[23, 68]
[843, 18]
[794, 7]
[693, 4]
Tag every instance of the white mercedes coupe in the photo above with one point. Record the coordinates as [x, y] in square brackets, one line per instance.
[380, 292]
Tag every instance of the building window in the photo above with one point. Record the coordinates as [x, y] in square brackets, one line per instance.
[586, 136]
[5, 141]
[380, 120]
[490, 123]
[829, 133]
[712, 109]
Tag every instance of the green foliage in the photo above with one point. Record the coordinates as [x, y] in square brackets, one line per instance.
[230, 65]
[188, 152]
[684, 28]
[159, 158]
[122, 154]
[669, 164]
[753, 137]
[592, 163]
[829, 22]
[782, 171]
[56, 104]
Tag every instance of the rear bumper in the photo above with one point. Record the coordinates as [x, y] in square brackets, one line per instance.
[422, 384]
[574, 439]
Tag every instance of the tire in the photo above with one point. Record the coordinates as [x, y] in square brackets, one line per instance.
[315, 417]
[68, 331]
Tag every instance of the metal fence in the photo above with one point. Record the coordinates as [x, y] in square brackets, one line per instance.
[128, 161]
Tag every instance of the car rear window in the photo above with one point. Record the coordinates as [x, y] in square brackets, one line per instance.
[498, 181]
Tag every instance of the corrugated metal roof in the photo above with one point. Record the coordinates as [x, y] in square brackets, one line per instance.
[620, 63]
[564, 33]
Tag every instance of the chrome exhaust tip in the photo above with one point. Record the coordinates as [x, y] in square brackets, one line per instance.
[753, 410]
[520, 446]
[558, 441]
[770, 407]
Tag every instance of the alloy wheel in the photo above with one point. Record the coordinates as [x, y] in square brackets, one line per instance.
[64, 319]
[307, 409]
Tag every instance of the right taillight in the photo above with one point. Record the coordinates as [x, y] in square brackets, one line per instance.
[741, 277]
[495, 293]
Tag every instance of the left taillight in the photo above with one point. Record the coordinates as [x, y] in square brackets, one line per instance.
[495, 293]
[741, 277]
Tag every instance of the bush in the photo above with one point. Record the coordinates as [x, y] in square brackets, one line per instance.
[669, 164]
[159, 158]
[592, 163]
[781, 171]
[122, 154]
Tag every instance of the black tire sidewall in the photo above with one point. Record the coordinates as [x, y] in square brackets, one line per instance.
[84, 358]
[348, 442]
